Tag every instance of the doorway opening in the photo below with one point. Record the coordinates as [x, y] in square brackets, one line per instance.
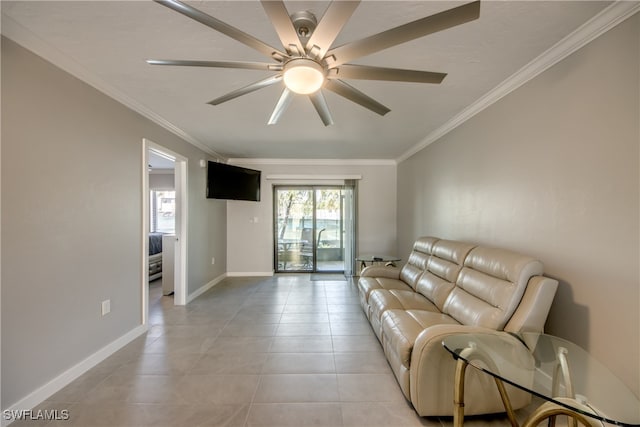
[314, 229]
[164, 219]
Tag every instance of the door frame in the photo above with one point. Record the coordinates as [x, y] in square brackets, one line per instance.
[182, 215]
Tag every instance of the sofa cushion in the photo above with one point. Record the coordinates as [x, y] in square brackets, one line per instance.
[368, 284]
[374, 277]
[490, 286]
[400, 329]
[446, 261]
[417, 262]
[382, 300]
[433, 286]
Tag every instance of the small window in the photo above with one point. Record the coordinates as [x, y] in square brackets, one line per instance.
[162, 208]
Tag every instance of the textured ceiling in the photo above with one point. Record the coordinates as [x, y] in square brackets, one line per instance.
[112, 39]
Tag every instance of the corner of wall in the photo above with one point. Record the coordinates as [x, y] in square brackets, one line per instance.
[42, 393]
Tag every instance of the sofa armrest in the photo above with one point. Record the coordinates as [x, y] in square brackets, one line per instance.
[532, 312]
[433, 373]
[381, 271]
[431, 338]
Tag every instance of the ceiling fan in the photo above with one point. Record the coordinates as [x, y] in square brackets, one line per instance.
[308, 63]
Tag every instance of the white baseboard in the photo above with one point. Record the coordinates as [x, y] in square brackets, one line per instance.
[250, 274]
[205, 288]
[41, 394]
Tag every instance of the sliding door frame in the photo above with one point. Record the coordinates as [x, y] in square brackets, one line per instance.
[314, 220]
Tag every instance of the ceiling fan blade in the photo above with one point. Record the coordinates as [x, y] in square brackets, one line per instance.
[404, 33]
[218, 64]
[222, 27]
[281, 106]
[277, 12]
[337, 14]
[320, 103]
[353, 94]
[247, 89]
[365, 72]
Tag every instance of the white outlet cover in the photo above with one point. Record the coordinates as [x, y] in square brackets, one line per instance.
[106, 307]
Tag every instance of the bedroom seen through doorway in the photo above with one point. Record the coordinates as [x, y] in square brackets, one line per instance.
[164, 231]
[162, 225]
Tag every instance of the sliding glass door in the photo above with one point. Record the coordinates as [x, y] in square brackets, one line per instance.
[313, 228]
[293, 229]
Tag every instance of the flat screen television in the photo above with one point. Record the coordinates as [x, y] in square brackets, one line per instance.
[232, 182]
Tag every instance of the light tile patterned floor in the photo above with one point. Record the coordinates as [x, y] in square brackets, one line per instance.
[279, 351]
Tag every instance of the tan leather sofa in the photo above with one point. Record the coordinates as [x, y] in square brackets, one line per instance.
[451, 287]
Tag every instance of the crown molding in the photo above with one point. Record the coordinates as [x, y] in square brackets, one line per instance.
[315, 162]
[29, 40]
[589, 31]
[311, 177]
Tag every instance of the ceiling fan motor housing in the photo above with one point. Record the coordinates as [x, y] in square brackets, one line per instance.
[305, 23]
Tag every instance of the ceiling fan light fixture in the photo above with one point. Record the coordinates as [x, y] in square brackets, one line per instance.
[303, 76]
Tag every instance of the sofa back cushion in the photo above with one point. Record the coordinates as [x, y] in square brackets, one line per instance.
[444, 265]
[417, 262]
[490, 287]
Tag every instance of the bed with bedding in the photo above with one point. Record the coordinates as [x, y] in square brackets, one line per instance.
[155, 256]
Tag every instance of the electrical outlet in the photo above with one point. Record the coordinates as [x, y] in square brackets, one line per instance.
[106, 307]
[213, 260]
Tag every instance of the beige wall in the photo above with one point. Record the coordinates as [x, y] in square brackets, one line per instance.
[72, 218]
[552, 170]
[250, 244]
[162, 181]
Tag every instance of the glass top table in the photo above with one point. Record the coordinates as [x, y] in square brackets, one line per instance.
[565, 376]
[364, 259]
